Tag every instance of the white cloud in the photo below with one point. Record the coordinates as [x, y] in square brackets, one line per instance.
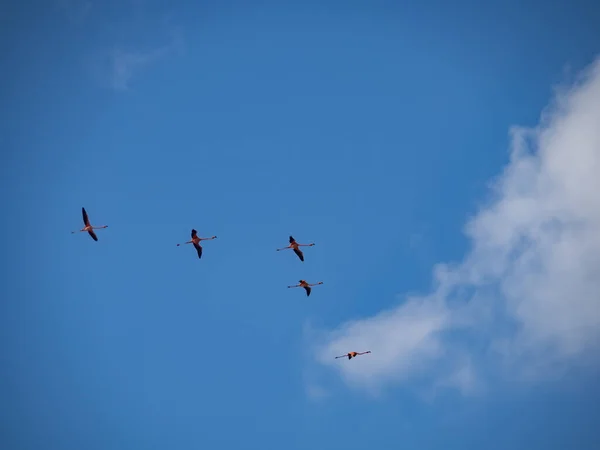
[77, 10]
[117, 68]
[126, 63]
[316, 392]
[530, 285]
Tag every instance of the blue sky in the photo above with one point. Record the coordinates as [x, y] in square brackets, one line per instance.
[373, 129]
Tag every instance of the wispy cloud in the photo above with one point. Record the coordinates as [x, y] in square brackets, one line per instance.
[77, 10]
[124, 64]
[527, 294]
[316, 392]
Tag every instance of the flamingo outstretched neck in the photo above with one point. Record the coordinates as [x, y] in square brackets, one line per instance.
[307, 286]
[351, 355]
[88, 226]
[196, 241]
[296, 247]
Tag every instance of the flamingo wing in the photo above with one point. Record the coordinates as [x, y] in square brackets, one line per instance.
[307, 289]
[86, 221]
[298, 252]
[194, 232]
[93, 235]
[198, 249]
[292, 240]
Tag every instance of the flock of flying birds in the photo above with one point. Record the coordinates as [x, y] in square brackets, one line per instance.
[196, 242]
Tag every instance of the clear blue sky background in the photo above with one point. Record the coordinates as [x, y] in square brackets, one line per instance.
[370, 128]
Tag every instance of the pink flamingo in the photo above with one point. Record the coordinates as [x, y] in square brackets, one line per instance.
[89, 228]
[196, 241]
[295, 246]
[306, 286]
[351, 355]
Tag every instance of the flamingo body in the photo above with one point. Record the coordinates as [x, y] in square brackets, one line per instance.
[88, 226]
[351, 355]
[307, 286]
[295, 246]
[195, 241]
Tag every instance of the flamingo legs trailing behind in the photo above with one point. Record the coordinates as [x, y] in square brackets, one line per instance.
[196, 241]
[351, 355]
[296, 247]
[306, 286]
[88, 227]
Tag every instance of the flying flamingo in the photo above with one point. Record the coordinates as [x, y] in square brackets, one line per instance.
[306, 286]
[196, 241]
[352, 355]
[294, 245]
[89, 228]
